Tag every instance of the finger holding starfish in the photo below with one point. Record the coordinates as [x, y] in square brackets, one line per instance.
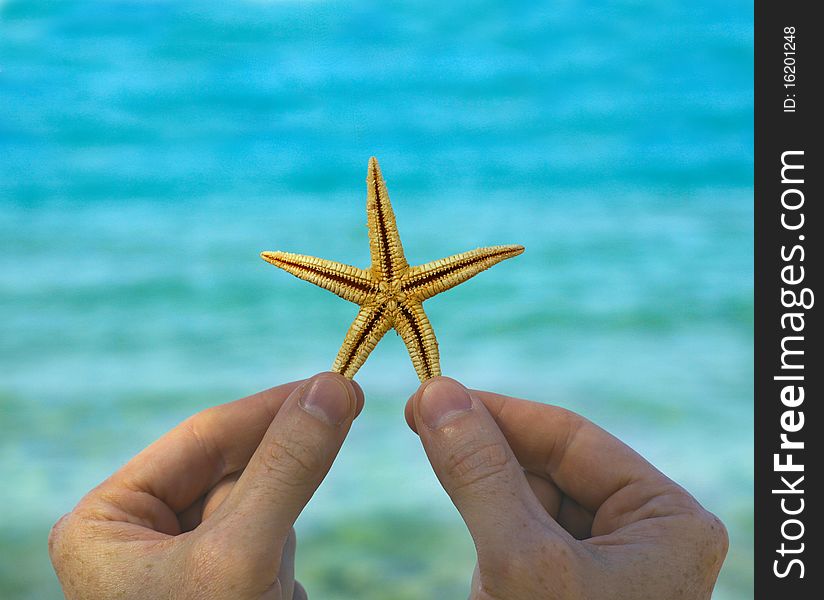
[390, 293]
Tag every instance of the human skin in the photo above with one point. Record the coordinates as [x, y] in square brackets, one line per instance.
[206, 512]
[560, 509]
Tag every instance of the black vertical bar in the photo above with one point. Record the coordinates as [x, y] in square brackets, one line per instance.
[788, 65]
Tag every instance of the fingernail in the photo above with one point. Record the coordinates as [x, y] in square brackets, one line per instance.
[441, 401]
[327, 399]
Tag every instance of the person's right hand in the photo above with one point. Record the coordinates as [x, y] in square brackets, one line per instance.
[206, 512]
[560, 509]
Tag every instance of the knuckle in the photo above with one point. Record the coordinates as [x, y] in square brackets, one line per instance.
[506, 566]
[57, 537]
[204, 564]
[472, 462]
[718, 538]
[196, 425]
[502, 576]
[531, 571]
[710, 539]
[204, 556]
[214, 562]
[293, 462]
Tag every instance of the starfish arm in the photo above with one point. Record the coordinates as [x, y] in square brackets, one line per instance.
[388, 261]
[417, 333]
[427, 280]
[372, 322]
[350, 283]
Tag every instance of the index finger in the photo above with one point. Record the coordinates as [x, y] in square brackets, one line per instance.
[586, 462]
[186, 462]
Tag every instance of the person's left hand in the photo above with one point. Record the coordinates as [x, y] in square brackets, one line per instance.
[207, 511]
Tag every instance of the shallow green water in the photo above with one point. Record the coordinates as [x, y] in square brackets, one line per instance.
[149, 151]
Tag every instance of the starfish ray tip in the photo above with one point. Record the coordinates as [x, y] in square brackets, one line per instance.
[270, 257]
[504, 251]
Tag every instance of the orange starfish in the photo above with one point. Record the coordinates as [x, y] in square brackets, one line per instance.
[390, 293]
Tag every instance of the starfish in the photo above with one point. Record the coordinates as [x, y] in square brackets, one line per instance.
[390, 293]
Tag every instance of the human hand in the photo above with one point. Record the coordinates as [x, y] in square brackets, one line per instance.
[207, 511]
[557, 507]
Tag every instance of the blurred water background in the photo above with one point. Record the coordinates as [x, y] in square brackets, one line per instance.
[149, 150]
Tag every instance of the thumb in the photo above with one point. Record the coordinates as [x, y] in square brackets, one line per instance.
[477, 468]
[285, 471]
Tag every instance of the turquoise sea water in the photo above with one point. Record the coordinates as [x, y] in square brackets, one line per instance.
[150, 150]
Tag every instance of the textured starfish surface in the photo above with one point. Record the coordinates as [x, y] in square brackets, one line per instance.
[390, 293]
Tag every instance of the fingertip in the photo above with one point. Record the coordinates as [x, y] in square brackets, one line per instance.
[330, 397]
[412, 407]
[439, 400]
[409, 413]
[441, 380]
[360, 397]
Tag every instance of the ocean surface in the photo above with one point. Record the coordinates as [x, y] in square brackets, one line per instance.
[150, 150]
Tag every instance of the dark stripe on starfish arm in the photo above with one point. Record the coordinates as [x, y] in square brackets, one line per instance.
[446, 270]
[412, 322]
[338, 277]
[363, 336]
[383, 235]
